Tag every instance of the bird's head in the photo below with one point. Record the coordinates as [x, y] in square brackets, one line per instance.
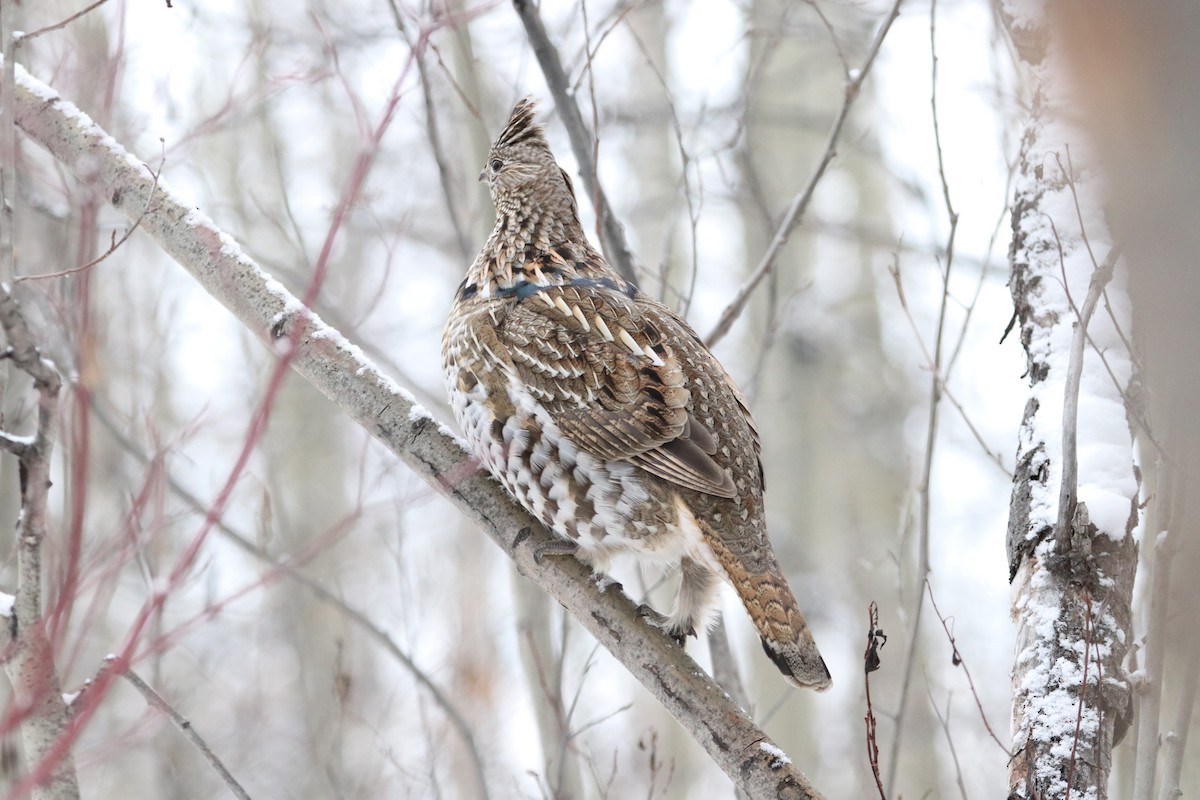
[520, 167]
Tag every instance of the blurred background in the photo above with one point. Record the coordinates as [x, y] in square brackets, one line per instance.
[304, 641]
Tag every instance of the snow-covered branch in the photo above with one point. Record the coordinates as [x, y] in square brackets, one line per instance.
[340, 371]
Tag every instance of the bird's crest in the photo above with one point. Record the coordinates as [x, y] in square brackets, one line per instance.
[521, 126]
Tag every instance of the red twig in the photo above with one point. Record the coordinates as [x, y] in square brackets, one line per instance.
[875, 641]
[1087, 643]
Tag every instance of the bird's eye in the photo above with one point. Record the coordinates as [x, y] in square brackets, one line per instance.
[496, 164]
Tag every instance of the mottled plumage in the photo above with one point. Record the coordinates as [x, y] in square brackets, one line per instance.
[601, 411]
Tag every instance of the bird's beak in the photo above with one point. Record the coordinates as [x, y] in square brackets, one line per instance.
[483, 175]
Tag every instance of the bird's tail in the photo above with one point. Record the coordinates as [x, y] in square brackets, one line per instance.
[781, 627]
[797, 656]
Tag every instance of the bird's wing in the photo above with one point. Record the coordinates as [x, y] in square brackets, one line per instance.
[609, 378]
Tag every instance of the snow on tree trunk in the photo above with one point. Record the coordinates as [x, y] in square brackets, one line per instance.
[1070, 549]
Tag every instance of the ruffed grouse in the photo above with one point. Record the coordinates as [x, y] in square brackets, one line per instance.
[603, 414]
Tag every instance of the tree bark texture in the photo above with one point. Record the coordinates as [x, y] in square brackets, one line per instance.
[341, 372]
[1070, 550]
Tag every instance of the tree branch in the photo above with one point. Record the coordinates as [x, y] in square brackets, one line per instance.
[340, 371]
[185, 727]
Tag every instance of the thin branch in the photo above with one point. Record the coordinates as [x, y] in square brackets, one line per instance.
[854, 82]
[25, 37]
[185, 726]
[1070, 455]
[28, 655]
[943, 386]
[352, 613]
[933, 418]
[453, 207]
[610, 230]
[113, 245]
[342, 373]
[944, 723]
[875, 642]
[686, 162]
[958, 661]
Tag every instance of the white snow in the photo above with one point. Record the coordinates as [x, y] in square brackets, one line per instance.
[1058, 250]
[778, 757]
[6, 604]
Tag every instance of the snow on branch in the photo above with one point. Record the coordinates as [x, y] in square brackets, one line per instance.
[340, 371]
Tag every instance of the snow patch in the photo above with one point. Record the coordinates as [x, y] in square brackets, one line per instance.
[779, 759]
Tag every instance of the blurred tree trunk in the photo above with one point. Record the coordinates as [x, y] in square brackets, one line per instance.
[1071, 554]
[1133, 68]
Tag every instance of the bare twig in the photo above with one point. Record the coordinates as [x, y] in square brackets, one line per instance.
[944, 723]
[19, 40]
[185, 726]
[933, 418]
[352, 613]
[943, 386]
[686, 162]
[854, 82]
[958, 661]
[113, 245]
[610, 230]
[432, 134]
[340, 371]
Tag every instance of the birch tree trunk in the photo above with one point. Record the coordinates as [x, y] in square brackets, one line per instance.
[1071, 553]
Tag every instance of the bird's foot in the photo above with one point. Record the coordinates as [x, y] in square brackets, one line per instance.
[666, 625]
[556, 547]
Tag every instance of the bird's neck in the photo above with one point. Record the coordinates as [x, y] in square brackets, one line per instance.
[535, 245]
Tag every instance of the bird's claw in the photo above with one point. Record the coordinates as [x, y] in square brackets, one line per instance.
[555, 547]
[664, 624]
